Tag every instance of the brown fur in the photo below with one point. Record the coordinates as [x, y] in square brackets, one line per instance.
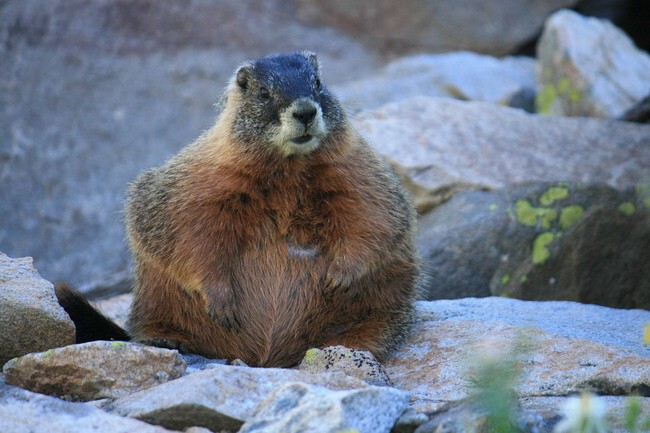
[243, 252]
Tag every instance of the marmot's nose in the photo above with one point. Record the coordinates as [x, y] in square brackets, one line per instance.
[305, 115]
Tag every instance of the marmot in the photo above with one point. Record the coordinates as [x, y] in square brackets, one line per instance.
[277, 230]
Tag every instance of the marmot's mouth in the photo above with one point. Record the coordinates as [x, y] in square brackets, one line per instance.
[302, 139]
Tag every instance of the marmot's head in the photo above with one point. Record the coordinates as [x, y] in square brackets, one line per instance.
[280, 101]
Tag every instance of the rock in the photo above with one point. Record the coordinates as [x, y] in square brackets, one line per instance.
[90, 371]
[117, 308]
[409, 421]
[197, 363]
[542, 241]
[92, 93]
[460, 75]
[563, 348]
[26, 412]
[354, 363]
[31, 319]
[298, 407]
[433, 26]
[221, 397]
[467, 416]
[588, 67]
[639, 112]
[442, 142]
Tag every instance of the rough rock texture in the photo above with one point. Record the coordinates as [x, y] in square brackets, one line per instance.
[564, 348]
[588, 67]
[31, 319]
[467, 416]
[298, 407]
[96, 370]
[92, 93]
[355, 363]
[221, 397]
[542, 241]
[435, 25]
[26, 412]
[459, 75]
[441, 142]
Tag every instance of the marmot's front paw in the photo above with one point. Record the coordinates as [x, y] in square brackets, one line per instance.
[221, 307]
[226, 317]
[341, 276]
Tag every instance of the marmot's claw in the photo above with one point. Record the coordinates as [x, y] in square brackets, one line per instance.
[225, 317]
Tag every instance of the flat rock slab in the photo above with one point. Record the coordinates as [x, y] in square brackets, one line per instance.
[221, 397]
[31, 319]
[27, 412]
[569, 348]
[441, 142]
[298, 407]
[91, 371]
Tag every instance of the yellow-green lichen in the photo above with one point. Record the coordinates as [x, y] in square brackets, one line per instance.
[568, 90]
[545, 99]
[523, 279]
[504, 279]
[118, 345]
[570, 215]
[310, 355]
[541, 253]
[643, 191]
[627, 208]
[530, 216]
[492, 207]
[553, 194]
[48, 353]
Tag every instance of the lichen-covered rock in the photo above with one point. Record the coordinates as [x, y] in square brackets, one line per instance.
[221, 397]
[354, 363]
[543, 241]
[31, 319]
[460, 75]
[298, 407]
[588, 67]
[561, 348]
[26, 412]
[91, 371]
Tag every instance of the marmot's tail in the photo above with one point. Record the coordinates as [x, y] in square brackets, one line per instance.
[91, 325]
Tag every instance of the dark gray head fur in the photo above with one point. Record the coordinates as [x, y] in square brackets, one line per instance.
[275, 92]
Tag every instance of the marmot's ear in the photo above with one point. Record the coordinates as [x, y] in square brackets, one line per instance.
[243, 76]
[312, 59]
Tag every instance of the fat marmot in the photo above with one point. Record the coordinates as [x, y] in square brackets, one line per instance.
[277, 230]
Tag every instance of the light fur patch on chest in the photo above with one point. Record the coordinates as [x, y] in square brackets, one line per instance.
[302, 252]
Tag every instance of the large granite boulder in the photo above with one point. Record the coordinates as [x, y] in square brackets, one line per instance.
[399, 27]
[31, 319]
[440, 143]
[588, 67]
[459, 75]
[541, 241]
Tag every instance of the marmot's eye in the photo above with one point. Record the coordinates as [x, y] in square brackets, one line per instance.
[317, 83]
[265, 93]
